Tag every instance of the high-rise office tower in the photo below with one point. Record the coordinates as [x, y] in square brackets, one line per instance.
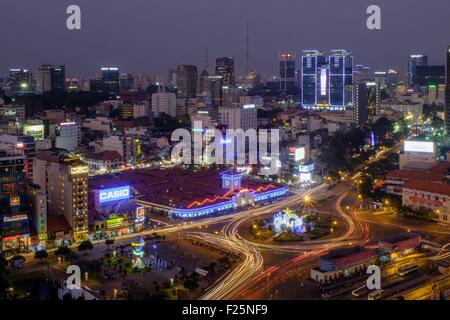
[51, 78]
[314, 81]
[63, 180]
[327, 83]
[341, 79]
[111, 80]
[287, 71]
[225, 69]
[187, 76]
[19, 80]
[415, 60]
[447, 92]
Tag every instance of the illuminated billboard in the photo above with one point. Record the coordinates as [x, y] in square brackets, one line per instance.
[114, 194]
[79, 170]
[300, 154]
[419, 146]
[306, 168]
[140, 214]
[35, 130]
[323, 82]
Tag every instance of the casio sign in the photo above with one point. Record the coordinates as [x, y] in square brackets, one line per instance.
[114, 194]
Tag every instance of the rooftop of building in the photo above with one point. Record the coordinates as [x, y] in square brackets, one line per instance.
[400, 237]
[442, 167]
[104, 156]
[343, 252]
[57, 224]
[60, 156]
[427, 186]
[415, 175]
[175, 187]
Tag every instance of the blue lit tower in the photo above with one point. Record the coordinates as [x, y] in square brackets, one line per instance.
[231, 180]
[312, 63]
[341, 79]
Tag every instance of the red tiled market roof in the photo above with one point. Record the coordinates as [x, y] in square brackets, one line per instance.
[415, 175]
[440, 188]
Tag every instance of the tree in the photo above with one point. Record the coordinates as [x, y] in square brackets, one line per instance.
[41, 254]
[109, 242]
[85, 246]
[63, 251]
[4, 284]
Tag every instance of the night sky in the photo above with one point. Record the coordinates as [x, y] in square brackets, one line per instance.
[149, 36]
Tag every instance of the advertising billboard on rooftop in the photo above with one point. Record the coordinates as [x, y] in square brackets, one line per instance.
[114, 194]
[419, 146]
[37, 131]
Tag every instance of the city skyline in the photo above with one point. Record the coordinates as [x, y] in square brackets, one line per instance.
[163, 34]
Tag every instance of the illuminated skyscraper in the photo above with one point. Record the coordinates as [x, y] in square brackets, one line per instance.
[312, 63]
[327, 83]
[341, 79]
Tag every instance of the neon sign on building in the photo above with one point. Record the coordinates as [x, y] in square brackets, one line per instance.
[114, 194]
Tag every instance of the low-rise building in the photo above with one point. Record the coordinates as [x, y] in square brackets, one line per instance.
[342, 263]
[396, 179]
[430, 195]
[401, 244]
[104, 162]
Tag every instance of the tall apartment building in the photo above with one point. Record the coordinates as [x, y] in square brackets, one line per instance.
[164, 102]
[63, 180]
